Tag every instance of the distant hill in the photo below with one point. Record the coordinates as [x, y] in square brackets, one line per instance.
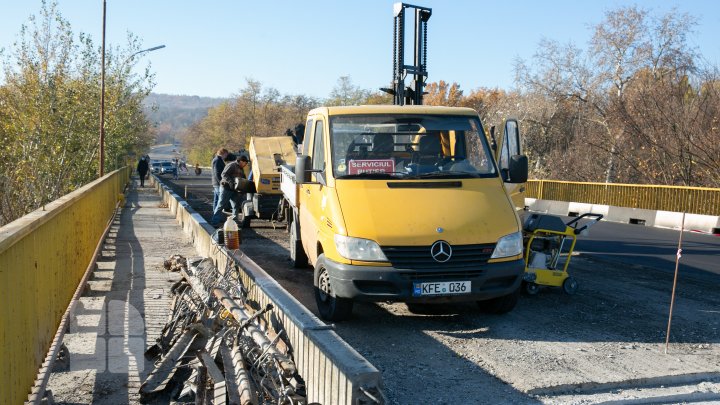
[171, 114]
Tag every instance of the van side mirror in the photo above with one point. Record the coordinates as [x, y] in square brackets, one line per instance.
[518, 169]
[302, 173]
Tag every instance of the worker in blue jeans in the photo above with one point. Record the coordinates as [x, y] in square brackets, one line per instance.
[217, 165]
[228, 192]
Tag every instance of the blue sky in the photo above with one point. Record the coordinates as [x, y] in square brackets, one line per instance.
[303, 47]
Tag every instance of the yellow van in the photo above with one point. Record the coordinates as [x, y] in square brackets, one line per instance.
[404, 203]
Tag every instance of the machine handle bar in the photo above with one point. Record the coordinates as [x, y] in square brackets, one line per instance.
[574, 222]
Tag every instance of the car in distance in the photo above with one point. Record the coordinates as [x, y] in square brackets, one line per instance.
[167, 168]
[155, 167]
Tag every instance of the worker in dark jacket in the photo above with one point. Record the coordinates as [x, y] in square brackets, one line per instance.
[218, 164]
[142, 169]
[229, 190]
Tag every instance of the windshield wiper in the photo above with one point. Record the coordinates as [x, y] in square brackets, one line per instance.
[383, 175]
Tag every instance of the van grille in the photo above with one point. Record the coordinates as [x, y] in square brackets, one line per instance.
[464, 257]
[442, 275]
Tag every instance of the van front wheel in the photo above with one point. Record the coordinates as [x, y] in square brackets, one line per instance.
[331, 307]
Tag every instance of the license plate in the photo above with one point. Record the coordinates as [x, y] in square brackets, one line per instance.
[441, 288]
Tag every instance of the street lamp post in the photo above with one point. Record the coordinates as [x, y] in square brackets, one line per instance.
[102, 89]
[154, 48]
[102, 98]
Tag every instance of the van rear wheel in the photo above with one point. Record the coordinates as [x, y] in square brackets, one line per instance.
[500, 305]
[331, 307]
[297, 254]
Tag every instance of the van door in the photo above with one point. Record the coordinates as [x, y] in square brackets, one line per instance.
[311, 193]
[510, 144]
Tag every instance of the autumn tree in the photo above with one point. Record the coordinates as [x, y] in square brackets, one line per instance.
[443, 93]
[50, 118]
[254, 111]
[346, 93]
[595, 109]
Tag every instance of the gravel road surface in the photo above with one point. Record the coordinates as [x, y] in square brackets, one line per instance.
[603, 345]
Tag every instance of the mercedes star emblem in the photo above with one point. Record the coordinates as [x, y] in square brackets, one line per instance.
[441, 251]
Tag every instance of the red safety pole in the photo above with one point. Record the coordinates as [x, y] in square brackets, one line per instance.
[672, 297]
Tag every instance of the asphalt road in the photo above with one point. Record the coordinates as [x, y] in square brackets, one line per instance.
[637, 245]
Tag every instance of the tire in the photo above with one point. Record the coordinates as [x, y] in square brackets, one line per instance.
[500, 305]
[297, 254]
[570, 285]
[244, 219]
[331, 307]
[245, 223]
[531, 288]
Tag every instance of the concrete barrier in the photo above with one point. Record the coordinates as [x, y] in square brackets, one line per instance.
[334, 372]
[661, 219]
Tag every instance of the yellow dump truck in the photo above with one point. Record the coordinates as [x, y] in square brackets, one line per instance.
[403, 203]
[267, 154]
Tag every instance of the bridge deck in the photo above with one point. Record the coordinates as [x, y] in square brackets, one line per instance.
[124, 307]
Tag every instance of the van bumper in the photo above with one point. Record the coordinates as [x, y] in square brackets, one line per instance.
[376, 283]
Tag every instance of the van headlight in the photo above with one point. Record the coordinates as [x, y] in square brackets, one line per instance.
[359, 249]
[508, 245]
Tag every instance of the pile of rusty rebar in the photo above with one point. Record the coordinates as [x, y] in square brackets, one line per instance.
[217, 349]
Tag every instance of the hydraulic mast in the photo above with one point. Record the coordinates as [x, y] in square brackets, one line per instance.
[412, 94]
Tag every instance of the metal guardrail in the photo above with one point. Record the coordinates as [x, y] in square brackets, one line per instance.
[43, 257]
[695, 200]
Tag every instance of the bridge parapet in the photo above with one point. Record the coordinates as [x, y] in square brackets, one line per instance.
[661, 206]
[693, 200]
[43, 257]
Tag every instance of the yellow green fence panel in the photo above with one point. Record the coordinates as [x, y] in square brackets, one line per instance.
[695, 200]
[43, 257]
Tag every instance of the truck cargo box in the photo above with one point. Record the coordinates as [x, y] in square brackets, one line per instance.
[267, 154]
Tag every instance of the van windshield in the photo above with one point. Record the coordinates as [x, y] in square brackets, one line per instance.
[409, 146]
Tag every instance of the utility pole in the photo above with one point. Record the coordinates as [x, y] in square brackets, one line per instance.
[102, 98]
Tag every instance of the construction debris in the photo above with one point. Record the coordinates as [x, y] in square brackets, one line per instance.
[215, 348]
[175, 263]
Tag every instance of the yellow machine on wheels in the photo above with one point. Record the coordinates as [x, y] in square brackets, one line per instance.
[546, 239]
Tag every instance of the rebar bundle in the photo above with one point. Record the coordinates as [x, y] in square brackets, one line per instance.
[216, 349]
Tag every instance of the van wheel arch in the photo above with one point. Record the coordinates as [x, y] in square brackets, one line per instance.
[298, 258]
[331, 307]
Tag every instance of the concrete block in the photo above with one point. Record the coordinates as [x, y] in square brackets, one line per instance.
[704, 223]
[579, 208]
[631, 215]
[662, 219]
[548, 206]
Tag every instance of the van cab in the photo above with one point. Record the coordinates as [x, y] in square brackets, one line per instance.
[405, 203]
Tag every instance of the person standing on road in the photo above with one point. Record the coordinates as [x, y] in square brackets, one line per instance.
[299, 133]
[142, 169]
[230, 180]
[176, 166]
[217, 165]
[147, 159]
